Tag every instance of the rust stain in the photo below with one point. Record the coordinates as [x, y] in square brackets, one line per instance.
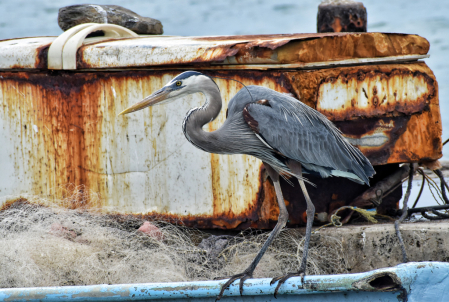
[42, 57]
[350, 46]
[375, 137]
[336, 25]
[421, 140]
[357, 21]
[65, 110]
[14, 202]
[254, 215]
[246, 53]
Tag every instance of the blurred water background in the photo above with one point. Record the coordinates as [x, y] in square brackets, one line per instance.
[427, 18]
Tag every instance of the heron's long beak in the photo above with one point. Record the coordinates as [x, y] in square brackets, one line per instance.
[150, 100]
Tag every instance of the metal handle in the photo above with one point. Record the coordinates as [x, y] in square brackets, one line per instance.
[62, 52]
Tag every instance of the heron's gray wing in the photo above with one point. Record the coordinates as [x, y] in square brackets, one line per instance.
[305, 135]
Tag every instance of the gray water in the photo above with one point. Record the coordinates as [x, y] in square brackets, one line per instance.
[427, 18]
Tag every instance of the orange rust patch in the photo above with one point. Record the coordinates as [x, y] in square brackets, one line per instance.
[245, 53]
[8, 204]
[350, 46]
[336, 26]
[65, 112]
[420, 141]
[41, 57]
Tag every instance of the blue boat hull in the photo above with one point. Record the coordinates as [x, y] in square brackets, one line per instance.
[423, 281]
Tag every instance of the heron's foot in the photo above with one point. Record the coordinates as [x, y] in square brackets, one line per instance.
[243, 276]
[282, 279]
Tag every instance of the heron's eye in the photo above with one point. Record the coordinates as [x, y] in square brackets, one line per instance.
[178, 83]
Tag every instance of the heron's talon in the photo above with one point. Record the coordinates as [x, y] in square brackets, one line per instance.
[282, 280]
[243, 276]
[275, 279]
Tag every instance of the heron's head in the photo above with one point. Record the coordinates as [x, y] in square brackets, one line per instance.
[183, 84]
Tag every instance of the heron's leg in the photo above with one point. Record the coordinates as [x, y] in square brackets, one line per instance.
[282, 220]
[404, 214]
[295, 167]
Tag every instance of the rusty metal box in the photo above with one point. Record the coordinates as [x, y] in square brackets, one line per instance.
[60, 127]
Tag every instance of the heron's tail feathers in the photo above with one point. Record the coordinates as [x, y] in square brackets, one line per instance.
[348, 175]
[360, 165]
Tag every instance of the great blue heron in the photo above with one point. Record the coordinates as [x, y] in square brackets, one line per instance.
[289, 137]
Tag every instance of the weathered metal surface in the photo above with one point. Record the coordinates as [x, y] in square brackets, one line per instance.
[63, 128]
[261, 49]
[25, 53]
[425, 281]
[298, 49]
[60, 128]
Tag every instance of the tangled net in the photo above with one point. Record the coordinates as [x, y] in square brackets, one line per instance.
[45, 245]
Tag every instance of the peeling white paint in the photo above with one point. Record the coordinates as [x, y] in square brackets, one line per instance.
[376, 93]
[374, 140]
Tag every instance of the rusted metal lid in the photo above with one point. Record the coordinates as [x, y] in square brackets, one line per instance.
[222, 52]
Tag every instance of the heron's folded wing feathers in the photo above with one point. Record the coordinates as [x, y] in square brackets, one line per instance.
[303, 134]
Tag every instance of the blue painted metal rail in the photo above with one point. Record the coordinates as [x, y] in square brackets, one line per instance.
[424, 281]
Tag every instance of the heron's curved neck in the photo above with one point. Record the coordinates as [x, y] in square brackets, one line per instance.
[196, 118]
